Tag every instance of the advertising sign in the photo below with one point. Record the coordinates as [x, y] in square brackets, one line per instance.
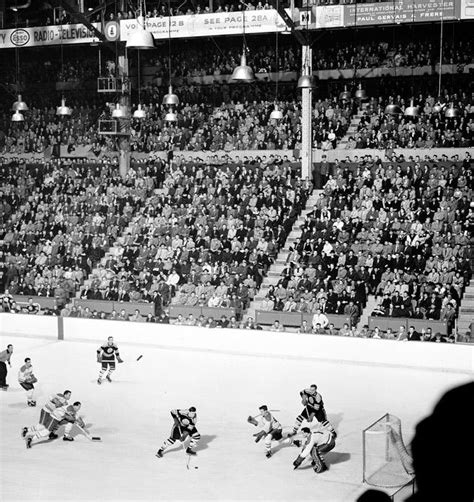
[467, 9]
[207, 25]
[399, 11]
[47, 35]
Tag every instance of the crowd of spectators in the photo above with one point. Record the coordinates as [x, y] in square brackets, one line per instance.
[58, 218]
[398, 230]
[207, 238]
[431, 128]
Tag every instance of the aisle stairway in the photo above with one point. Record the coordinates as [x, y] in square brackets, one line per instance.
[351, 131]
[369, 308]
[466, 311]
[274, 272]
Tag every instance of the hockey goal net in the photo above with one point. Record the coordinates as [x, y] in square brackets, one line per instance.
[386, 460]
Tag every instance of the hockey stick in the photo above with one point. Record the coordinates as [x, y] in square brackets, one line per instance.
[88, 436]
[259, 415]
[182, 444]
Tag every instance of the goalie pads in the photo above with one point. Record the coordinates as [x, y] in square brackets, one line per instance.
[259, 436]
[252, 420]
[318, 461]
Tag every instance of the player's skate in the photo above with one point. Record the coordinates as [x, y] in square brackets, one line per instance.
[268, 454]
[108, 378]
[159, 453]
[24, 431]
[32, 403]
[190, 452]
[67, 438]
[99, 381]
[28, 442]
[53, 435]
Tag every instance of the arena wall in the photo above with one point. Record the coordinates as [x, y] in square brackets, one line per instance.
[424, 355]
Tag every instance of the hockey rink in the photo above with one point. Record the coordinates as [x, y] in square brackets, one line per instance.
[132, 415]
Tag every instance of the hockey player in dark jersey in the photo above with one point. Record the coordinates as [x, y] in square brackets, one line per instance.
[184, 427]
[106, 355]
[313, 407]
[321, 440]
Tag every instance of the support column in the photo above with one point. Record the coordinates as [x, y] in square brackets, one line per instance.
[306, 117]
[124, 138]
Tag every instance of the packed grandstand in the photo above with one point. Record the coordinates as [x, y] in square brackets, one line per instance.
[212, 222]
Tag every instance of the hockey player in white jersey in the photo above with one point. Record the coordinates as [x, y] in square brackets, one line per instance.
[27, 380]
[321, 440]
[271, 429]
[55, 401]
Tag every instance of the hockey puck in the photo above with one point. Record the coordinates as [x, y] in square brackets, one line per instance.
[139, 357]
[196, 467]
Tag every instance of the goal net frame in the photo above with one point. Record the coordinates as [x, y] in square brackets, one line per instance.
[386, 461]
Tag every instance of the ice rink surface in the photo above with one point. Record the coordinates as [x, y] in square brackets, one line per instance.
[132, 415]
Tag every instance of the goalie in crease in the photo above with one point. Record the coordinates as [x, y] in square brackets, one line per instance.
[27, 380]
[271, 430]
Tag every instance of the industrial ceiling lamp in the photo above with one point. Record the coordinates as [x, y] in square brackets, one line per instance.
[18, 117]
[360, 93]
[306, 79]
[171, 116]
[393, 109]
[170, 99]
[345, 94]
[243, 73]
[139, 113]
[141, 38]
[63, 110]
[438, 107]
[119, 112]
[276, 113]
[19, 105]
[412, 110]
[452, 112]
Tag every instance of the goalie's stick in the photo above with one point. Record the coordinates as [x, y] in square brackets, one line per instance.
[88, 436]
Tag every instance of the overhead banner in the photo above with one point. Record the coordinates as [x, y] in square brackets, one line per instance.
[47, 35]
[207, 25]
[467, 9]
[400, 11]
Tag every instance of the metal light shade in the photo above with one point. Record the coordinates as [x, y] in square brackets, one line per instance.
[18, 117]
[345, 94]
[452, 112]
[170, 99]
[243, 73]
[438, 107]
[276, 113]
[139, 113]
[140, 39]
[393, 109]
[305, 82]
[119, 112]
[63, 110]
[360, 93]
[171, 116]
[19, 105]
[412, 111]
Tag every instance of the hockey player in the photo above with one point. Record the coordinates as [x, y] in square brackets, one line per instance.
[271, 429]
[106, 354]
[55, 401]
[184, 426]
[61, 415]
[321, 440]
[27, 381]
[313, 407]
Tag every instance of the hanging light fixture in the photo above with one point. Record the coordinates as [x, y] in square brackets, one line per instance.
[171, 116]
[19, 105]
[345, 95]
[438, 107]
[140, 38]
[170, 99]
[412, 110]
[360, 93]
[243, 73]
[276, 113]
[139, 113]
[452, 112]
[393, 109]
[18, 117]
[63, 110]
[119, 112]
[306, 80]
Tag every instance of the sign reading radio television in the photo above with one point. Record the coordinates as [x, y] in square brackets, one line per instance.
[202, 25]
[400, 11]
[47, 35]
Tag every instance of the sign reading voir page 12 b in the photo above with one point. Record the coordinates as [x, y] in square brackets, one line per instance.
[205, 25]
[47, 35]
